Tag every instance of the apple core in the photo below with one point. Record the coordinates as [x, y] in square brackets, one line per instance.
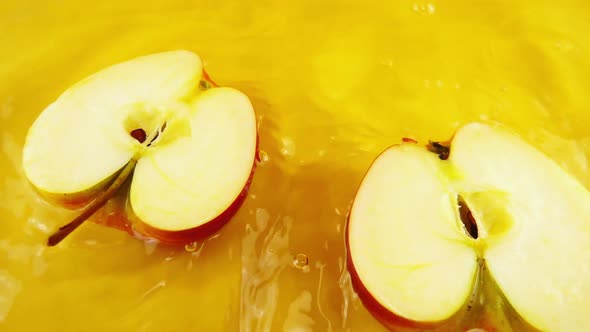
[155, 126]
[467, 218]
[424, 226]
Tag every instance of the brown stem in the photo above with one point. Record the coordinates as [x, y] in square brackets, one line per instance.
[474, 307]
[441, 149]
[477, 284]
[89, 210]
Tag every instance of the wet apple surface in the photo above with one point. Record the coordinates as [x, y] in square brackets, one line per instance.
[423, 225]
[188, 151]
[331, 92]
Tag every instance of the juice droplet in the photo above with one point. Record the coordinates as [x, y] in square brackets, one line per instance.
[192, 246]
[263, 157]
[300, 261]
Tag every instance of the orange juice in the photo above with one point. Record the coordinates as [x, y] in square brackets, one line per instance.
[333, 84]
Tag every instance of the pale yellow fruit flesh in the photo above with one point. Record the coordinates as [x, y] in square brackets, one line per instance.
[533, 220]
[542, 263]
[189, 181]
[83, 137]
[404, 240]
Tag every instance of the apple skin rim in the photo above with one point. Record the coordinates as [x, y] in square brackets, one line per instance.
[178, 238]
[76, 200]
[125, 220]
[387, 318]
[392, 321]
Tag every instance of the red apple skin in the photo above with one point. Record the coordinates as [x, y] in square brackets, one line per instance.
[175, 238]
[115, 214]
[80, 200]
[382, 314]
[387, 318]
[73, 201]
[118, 217]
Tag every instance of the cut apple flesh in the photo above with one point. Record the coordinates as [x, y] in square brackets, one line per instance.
[198, 177]
[404, 240]
[413, 258]
[81, 139]
[194, 149]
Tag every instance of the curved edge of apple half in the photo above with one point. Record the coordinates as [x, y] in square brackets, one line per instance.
[199, 232]
[77, 200]
[416, 261]
[385, 316]
[83, 152]
[391, 320]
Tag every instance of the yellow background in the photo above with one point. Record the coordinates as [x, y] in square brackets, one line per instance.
[333, 82]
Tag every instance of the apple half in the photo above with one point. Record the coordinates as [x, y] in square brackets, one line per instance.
[184, 148]
[413, 248]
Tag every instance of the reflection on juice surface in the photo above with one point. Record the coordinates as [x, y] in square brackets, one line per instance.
[333, 84]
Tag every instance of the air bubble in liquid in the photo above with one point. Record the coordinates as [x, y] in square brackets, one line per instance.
[300, 261]
[263, 157]
[192, 246]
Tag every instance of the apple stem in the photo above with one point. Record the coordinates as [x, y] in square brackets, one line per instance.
[441, 149]
[89, 210]
[477, 285]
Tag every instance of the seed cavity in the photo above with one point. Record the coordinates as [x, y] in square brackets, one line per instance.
[467, 219]
[157, 134]
[139, 134]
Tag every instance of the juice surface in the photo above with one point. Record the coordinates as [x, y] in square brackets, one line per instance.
[333, 84]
